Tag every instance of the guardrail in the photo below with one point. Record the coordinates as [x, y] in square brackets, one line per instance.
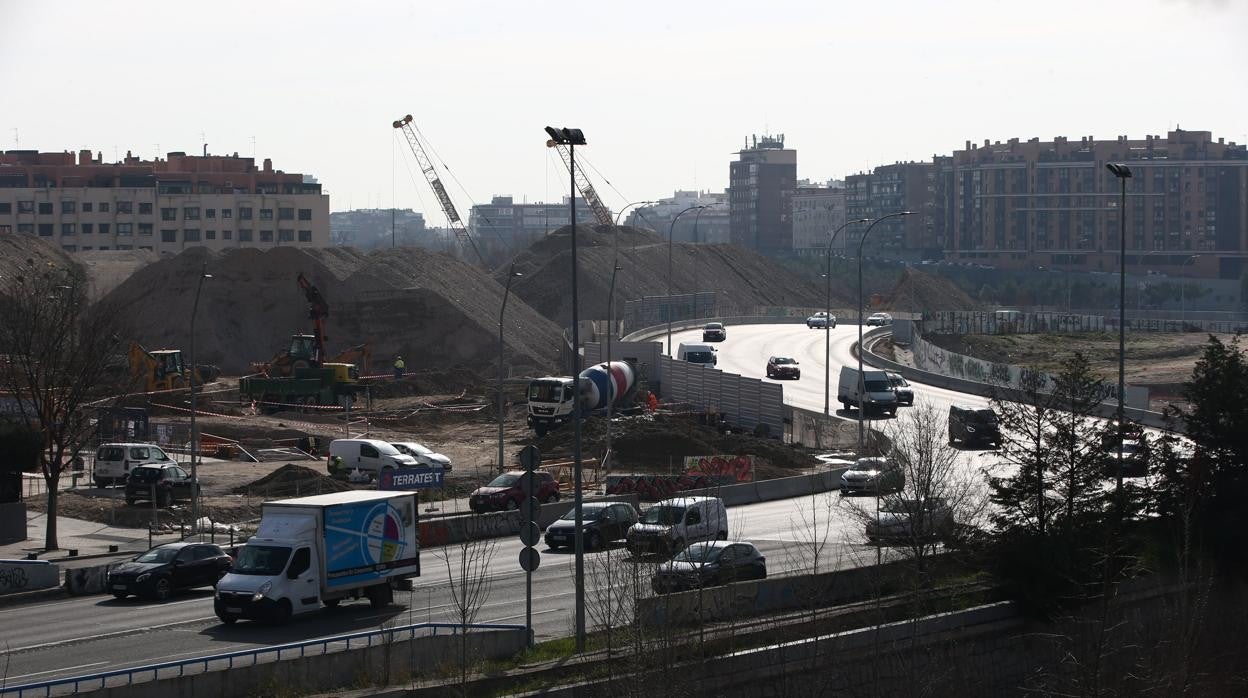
[152, 672]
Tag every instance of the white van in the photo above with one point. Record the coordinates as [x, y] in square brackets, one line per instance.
[877, 394]
[369, 456]
[697, 353]
[113, 462]
[670, 525]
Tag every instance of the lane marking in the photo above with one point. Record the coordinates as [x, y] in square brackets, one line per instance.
[53, 671]
[118, 633]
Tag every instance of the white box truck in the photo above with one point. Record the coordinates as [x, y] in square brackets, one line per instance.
[314, 551]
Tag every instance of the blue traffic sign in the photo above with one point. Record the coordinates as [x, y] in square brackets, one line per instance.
[411, 479]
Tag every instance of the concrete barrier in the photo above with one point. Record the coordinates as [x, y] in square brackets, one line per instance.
[771, 490]
[18, 576]
[80, 581]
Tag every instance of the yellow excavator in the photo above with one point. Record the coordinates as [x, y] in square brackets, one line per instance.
[163, 369]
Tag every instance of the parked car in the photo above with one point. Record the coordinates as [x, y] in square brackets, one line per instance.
[505, 492]
[821, 320]
[710, 563]
[1135, 457]
[714, 332]
[908, 520]
[423, 454]
[880, 319]
[874, 475]
[783, 367]
[671, 524]
[166, 483]
[159, 572]
[370, 456]
[602, 523]
[905, 395]
[973, 426]
[114, 461]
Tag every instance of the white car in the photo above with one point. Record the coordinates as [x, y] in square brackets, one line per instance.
[820, 320]
[880, 319]
[423, 455]
[911, 520]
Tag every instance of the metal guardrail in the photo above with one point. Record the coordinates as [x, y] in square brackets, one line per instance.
[364, 638]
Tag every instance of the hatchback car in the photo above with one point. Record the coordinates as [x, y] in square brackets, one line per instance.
[423, 454]
[973, 426]
[879, 319]
[873, 475]
[159, 572]
[821, 320]
[783, 367]
[506, 492]
[906, 520]
[164, 484]
[710, 564]
[601, 523]
[905, 395]
[714, 332]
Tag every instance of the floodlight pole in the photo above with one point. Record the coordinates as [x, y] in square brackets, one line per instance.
[511, 274]
[827, 324]
[1123, 173]
[193, 375]
[861, 381]
[671, 228]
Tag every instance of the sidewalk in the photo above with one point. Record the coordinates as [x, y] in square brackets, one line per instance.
[87, 537]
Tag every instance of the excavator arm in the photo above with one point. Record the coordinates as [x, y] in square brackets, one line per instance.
[318, 310]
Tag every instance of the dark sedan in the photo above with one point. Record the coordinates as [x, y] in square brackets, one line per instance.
[157, 573]
[783, 367]
[710, 564]
[163, 483]
[602, 522]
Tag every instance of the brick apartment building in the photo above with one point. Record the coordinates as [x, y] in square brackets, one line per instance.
[760, 195]
[165, 205]
[902, 186]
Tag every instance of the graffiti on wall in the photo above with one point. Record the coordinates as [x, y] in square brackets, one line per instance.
[652, 488]
[738, 468]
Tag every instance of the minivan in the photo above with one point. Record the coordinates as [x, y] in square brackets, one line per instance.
[670, 525]
[114, 461]
[697, 353]
[366, 455]
[877, 391]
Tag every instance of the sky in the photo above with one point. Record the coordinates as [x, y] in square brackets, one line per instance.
[665, 92]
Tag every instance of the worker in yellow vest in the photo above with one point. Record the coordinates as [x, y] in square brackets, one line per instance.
[399, 367]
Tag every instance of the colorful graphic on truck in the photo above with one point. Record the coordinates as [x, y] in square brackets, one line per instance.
[365, 541]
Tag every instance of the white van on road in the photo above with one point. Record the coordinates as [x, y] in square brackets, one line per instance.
[697, 353]
[672, 524]
[877, 391]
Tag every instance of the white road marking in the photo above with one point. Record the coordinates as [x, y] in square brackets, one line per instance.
[131, 631]
[53, 671]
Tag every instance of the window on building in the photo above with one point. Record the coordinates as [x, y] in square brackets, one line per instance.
[88, 228]
[145, 229]
[244, 235]
[26, 228]
[68, 229]
[286, 214]
[125, 229]
[103, 208]
[6, 207]
[305, 214]
[45, 208]
[227, 234]
[210, 235]
[227, 212]
[168, 235]
[190, 235]
[87, 247]
[25, 207]
[125, 247]
[104, 230]
[266, 236]
[285, 235]
[45, 230]
[305, 236]
[86, 207]
[69, 248]
[244, 213]
[145, 208]
[266, 214]
[210, 213]
[103, 247]
[128, 207]
[190, 213]
[168, 214]
[69, 206]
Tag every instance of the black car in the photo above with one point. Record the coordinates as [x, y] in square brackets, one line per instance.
[602, 522]
[973, 426]
[165, 483]
[157, 573]
[714, 332]
[783, 367]
[710, 564]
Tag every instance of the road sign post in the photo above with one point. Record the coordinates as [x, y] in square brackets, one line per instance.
[530, 458]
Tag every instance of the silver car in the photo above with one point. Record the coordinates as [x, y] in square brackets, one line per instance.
[873, 476]
[911, 520]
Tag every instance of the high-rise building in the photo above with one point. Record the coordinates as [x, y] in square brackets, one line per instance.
[166, 205]
[1022, 204]
[760, 193]
[818, 211]
[710, 225]
[902, 186]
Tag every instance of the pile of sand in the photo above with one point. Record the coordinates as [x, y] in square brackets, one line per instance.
[15, 250]
[918, 292]
[292, 480]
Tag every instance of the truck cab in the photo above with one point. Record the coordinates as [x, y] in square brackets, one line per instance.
[272, 579]
[550, 402]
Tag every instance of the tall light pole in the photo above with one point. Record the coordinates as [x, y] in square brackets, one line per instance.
[862, 383]
[511, 274]
[615, 268]
[670, 229]
[193, 373]
[827, 324]
[1183, 290]
[1123, 173]
[573, 137]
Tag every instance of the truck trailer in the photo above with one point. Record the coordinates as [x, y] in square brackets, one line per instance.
[316, 551]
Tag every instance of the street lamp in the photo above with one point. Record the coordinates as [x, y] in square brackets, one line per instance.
[670, 229]
[1123, 173]
[827, 323]
[573, 137]
[511, 274]
[1183, 289]
[193, 373]
[861, 382]
[615, 268]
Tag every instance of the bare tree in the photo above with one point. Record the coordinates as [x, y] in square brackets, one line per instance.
[60, 354]
[468, 578]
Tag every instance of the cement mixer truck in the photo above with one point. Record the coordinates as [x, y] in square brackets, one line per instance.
[550, 397]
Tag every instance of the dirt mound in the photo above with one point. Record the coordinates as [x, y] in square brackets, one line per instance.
[15, 250]
[434, 310]
[741, 279]
[917, 292]
[292, 480]
[107, 269]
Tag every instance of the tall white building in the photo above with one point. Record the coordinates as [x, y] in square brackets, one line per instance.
[709, 225]
[818, 210]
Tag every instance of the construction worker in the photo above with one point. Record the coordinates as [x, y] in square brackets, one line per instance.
[399, 367]
[652, 402]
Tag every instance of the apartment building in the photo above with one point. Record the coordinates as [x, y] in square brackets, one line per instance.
[709, 225]
[761, 183]
[165, 205]
[888, 189]
[503, 222]
[818, 211]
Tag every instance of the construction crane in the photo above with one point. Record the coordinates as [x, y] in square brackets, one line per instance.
[601, 212]
[431, 176]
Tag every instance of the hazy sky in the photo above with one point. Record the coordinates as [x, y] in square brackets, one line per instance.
[665, 91]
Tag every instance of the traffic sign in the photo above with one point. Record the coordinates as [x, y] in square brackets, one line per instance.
[529, 533]
[529, 559]
[530, 457]
[526, 483]
[529, 508]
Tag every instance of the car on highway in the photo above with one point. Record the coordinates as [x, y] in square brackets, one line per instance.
[668, 526]
[973, 426]
[506, 491]
[874, 475]
[911, 520]
[423, 454]
[821, 320]
[163, 484]
[601, 523]
[905, 395]
[1135, 457]
[159, 572]
[879, 319]
[783, 367]
[710, 563]
[714, 332]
